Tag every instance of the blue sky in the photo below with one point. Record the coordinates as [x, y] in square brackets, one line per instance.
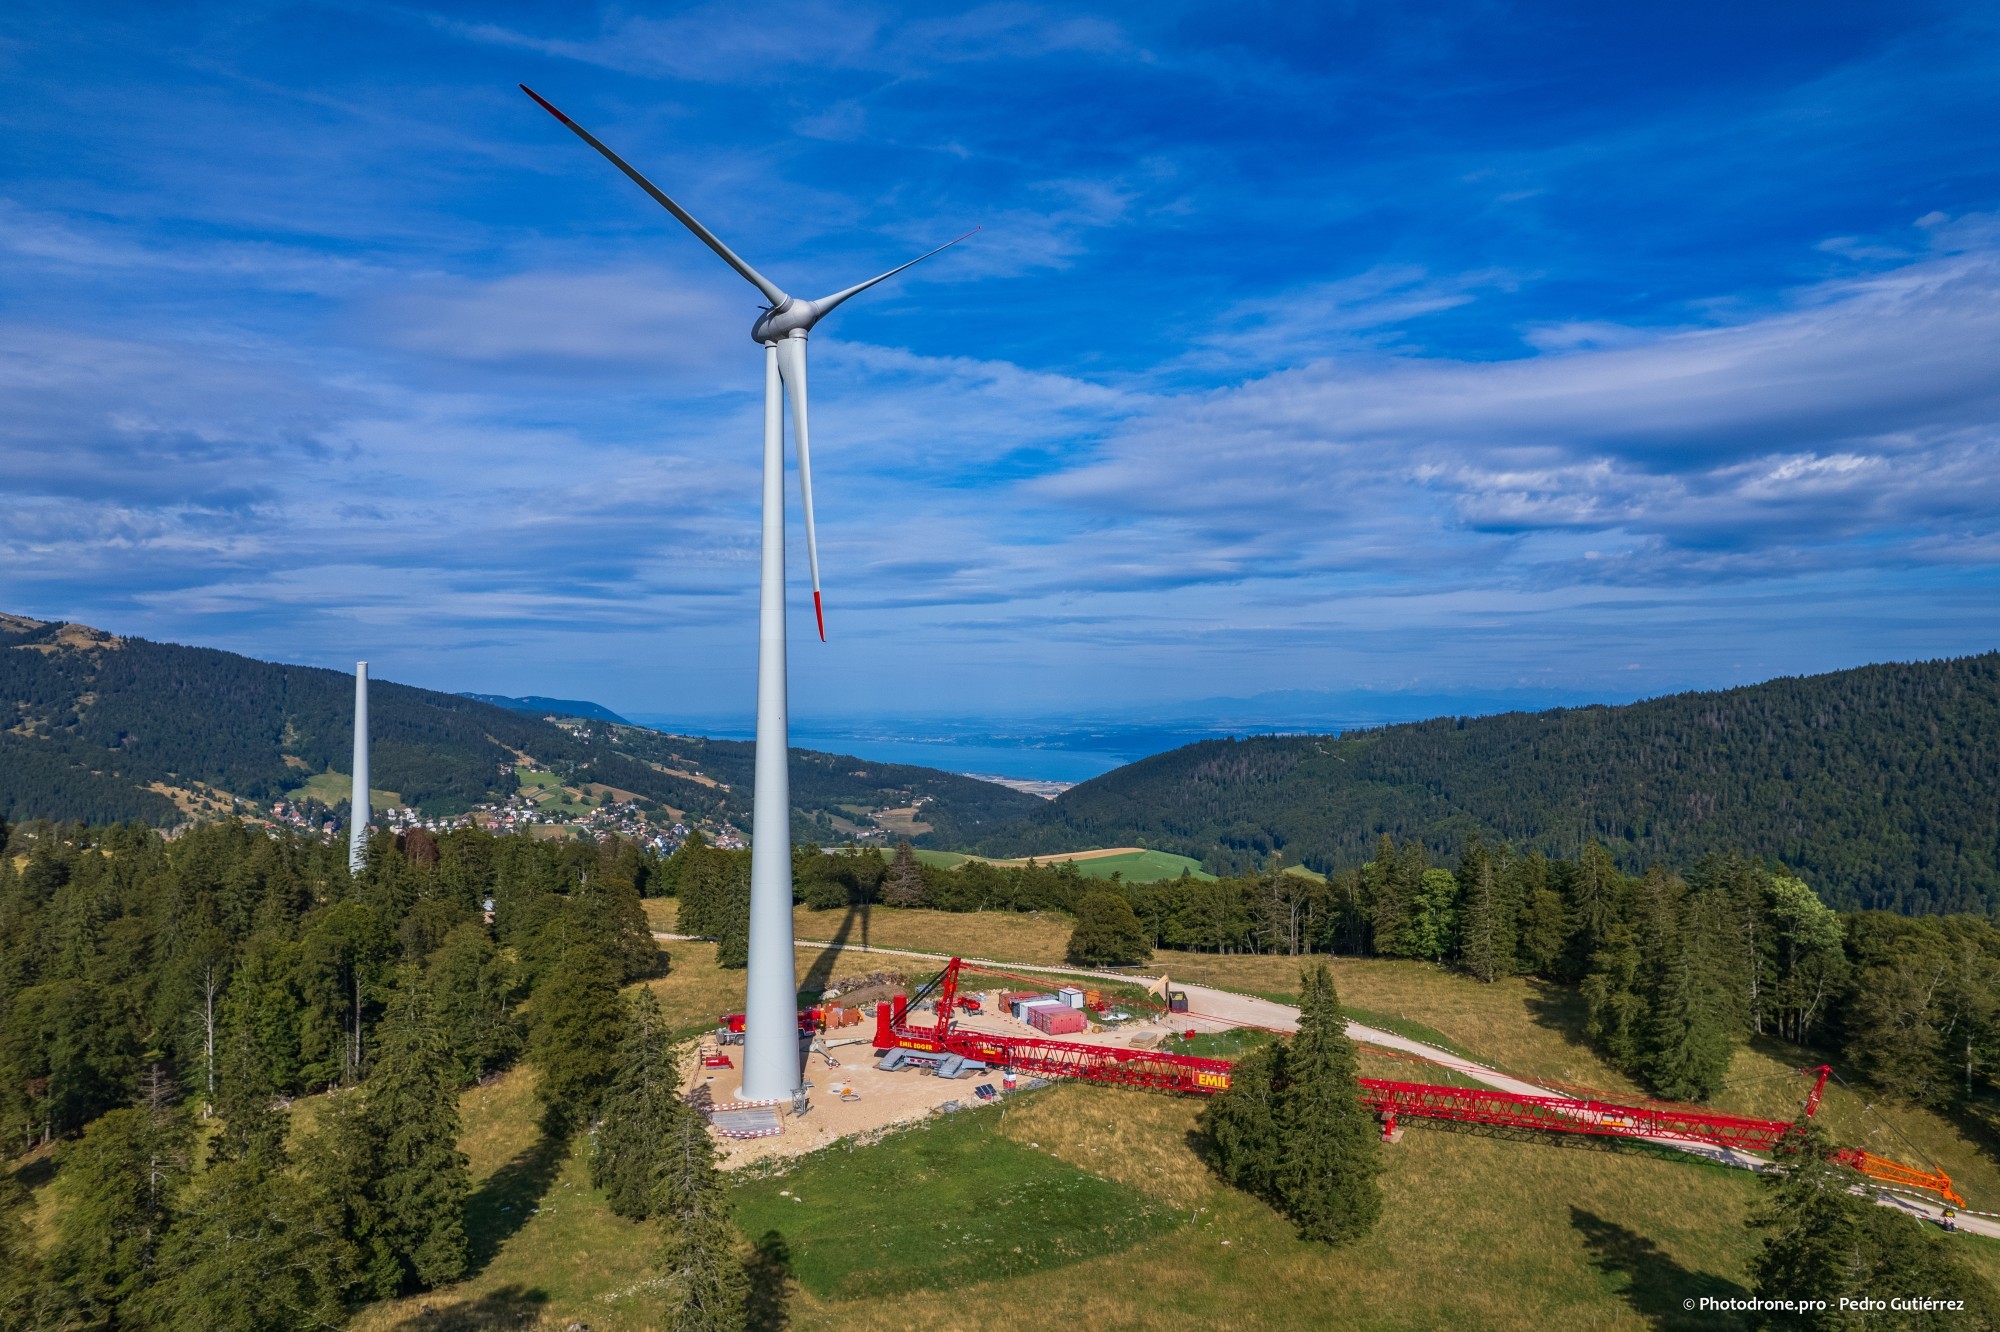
[1573, 350]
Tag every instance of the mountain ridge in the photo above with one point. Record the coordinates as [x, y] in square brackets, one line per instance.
[103, 728]
[1875, 781]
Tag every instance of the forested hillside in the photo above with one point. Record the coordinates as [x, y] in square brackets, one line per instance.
[102, 729]
[1882, 784]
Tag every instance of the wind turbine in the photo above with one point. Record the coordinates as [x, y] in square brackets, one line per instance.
[770, 1009]
[357, 802]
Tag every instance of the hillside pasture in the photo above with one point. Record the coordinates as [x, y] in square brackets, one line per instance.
[331, 788]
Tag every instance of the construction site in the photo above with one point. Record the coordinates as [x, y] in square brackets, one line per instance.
[938, 1046]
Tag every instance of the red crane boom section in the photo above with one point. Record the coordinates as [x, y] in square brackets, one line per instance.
[1157, 1070]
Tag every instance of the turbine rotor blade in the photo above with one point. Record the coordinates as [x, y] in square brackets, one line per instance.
[792, 368]
[707, 237]
[827, 303]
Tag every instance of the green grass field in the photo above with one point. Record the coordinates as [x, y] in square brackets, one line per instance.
[943, 1204]
[330, 788]
[1132, 866]
[554, 799]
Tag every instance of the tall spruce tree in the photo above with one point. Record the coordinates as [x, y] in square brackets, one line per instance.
[1390, 892]
[472, 993]
[1824, 1241]
[122, 1179]
[1687, 1046]
[577, 1028]
[1328, 1149]
[1241, 1123]
[642, 1107]
[903, 885]
[420, 1185]
[707, 1286]
[1486, 933]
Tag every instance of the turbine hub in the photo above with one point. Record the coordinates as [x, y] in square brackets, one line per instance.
[790, 318]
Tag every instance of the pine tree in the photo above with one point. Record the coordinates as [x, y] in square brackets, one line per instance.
[1329, 1155]
[1107, 931]
[412, 1115]
[1615, 1013]
[1486, 935]
[1824, 1241]
[472, 993]
[1389, 895]
[1241, 1123]
[122, 1179]
[707, 1285]
[1810, 1220]
[1433, 915]
[578, 1024]
[903, 885]
[27, 1301]
[1544, 921]
[249, 1254]
[1687, 1046]
[641, 1109]
[732, 911]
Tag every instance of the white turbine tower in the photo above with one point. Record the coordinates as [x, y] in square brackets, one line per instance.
[770, 1009]
[357, 804]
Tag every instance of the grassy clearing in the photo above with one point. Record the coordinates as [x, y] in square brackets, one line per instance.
[1478, 1232]
[1007, 936]
[695, 991]
[550, 796]
[936, 1206]
[1132, 866]
[330, 788]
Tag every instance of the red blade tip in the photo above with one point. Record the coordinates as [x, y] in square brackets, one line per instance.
[818, 616]
[544, 104]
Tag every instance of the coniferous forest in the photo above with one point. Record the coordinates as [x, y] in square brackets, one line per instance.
[1875, 783]
[162, 1002]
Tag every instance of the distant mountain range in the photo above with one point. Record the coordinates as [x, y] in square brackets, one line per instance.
[104, 729]
[536, 706]
[1879, 784]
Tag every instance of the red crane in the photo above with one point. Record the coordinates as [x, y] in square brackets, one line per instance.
[1193, 1074]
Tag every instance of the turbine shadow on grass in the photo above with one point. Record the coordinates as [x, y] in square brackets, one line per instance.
[1656, 1286]
[498, 1208]
[814, 983]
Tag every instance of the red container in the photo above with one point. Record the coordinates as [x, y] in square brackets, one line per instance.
[1056, 1019]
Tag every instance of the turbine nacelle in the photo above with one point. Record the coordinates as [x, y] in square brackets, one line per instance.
[793, 318]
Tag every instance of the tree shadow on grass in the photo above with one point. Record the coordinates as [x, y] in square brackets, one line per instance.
[497, 1311]
[770, 1273]
[499, 1208]
[1656, 1286]
[1560, 1008]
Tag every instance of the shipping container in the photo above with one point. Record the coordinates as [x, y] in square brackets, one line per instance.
[1019, 1004]
[1070, 995]
[1056, 1019]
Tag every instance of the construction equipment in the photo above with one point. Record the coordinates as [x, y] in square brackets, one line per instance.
[1194, 1074]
